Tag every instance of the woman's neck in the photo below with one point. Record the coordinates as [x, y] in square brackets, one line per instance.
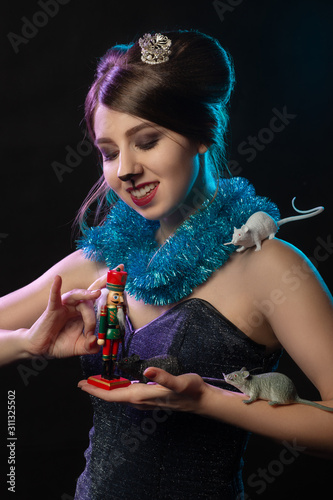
[192, 204]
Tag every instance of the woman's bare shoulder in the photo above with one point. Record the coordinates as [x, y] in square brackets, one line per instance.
[276, 255]
[77, 271]
[22, 307]
[279, 263]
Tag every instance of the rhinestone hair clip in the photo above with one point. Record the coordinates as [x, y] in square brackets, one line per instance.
[155, 49]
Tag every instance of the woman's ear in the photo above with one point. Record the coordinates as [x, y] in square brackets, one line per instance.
[202, 149]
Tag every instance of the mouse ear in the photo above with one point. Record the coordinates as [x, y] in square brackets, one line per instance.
[245, 372]
[246, 229]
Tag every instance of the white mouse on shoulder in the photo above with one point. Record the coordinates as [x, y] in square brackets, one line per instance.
[261, 225]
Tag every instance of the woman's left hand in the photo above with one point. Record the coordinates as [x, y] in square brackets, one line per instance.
[179, 393]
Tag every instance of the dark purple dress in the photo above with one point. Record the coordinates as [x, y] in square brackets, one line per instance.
[160, 454]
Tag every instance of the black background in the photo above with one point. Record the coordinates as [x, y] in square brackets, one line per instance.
[283, 59]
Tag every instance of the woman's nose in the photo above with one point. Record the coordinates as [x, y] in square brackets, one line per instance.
[126, 177]
[128, 167]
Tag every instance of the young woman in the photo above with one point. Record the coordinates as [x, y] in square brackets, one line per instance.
[157, 112]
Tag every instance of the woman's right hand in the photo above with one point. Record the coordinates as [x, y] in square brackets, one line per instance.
[58, 332]
[186, 393]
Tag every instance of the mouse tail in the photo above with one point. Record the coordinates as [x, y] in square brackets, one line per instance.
[306, 213]
[315, 209]
[312, 403]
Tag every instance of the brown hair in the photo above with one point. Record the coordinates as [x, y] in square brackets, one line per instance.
[188, 94]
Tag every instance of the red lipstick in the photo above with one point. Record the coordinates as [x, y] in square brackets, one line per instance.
[141, 202]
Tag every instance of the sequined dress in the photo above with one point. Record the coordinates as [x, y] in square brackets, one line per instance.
[160, 454]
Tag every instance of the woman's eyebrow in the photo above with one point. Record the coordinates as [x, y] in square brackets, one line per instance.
[128, 133]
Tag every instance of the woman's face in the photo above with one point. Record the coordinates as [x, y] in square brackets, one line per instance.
[152, 169]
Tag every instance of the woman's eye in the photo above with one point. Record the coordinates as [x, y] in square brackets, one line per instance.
[145, 146]
[109, 156]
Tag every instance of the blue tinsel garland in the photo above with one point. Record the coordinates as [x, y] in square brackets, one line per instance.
[161, 275]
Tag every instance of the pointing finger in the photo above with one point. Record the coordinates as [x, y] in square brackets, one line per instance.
[55, 294]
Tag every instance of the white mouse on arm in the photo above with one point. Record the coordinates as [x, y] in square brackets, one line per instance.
[260, 226]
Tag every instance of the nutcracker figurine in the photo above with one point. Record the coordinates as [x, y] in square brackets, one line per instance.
[111, 331]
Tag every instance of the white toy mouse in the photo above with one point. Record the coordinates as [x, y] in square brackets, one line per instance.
[260, 226]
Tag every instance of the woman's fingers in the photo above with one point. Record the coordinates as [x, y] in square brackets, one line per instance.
[74, 297]
[83, 302]
[90, 344]
[189, 384]
[180, 393]
[87, 312]
[163, 378]
[101, 281]
[55, 294]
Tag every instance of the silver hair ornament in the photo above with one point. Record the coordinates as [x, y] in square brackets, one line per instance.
[155, 49]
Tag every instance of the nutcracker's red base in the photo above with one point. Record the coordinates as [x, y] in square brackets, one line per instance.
[108, 385]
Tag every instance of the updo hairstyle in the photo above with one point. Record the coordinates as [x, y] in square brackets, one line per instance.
[189, 94]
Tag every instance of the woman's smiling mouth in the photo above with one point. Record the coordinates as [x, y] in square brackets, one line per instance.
[143, 193]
